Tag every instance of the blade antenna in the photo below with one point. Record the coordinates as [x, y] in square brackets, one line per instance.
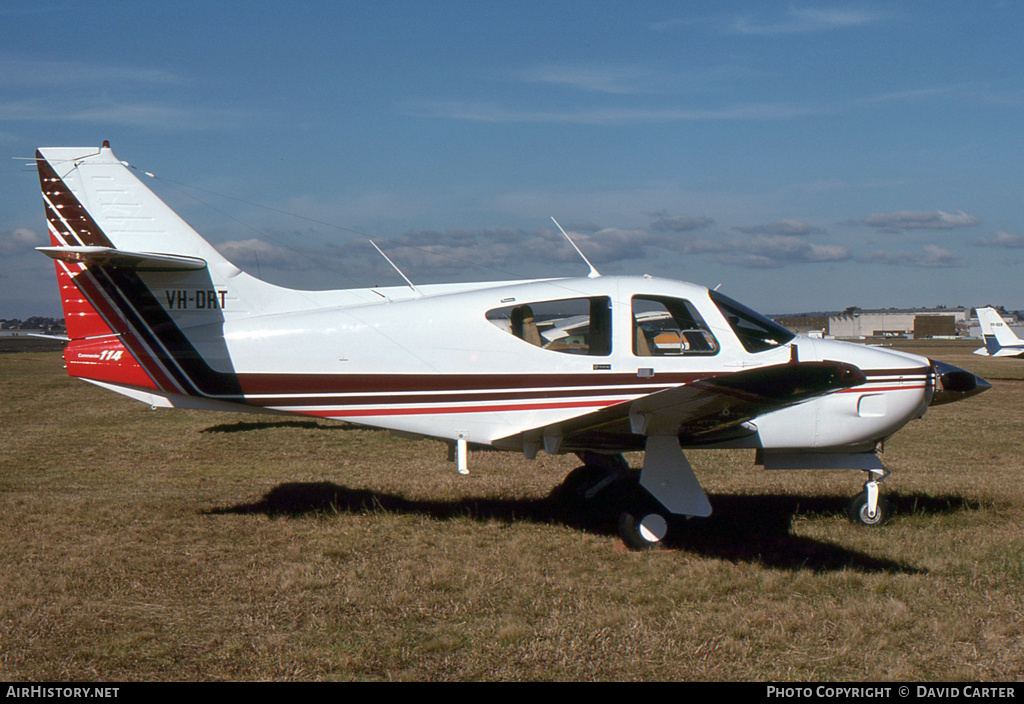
[594, 273]
[381, 252]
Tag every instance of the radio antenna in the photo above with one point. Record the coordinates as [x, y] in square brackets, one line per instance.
[594, 273]
[381, 252]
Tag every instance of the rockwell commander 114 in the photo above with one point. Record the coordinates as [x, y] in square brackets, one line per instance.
[595, 366]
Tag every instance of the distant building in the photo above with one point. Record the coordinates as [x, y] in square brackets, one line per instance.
[808, 324]
[855, 323]
[34, 324]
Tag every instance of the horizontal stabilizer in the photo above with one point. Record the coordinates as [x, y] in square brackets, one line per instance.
[108, 256]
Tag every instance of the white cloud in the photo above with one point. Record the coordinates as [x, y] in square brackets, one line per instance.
[782, 227]
[933, 257]
[20, 241]
[502, 248]
[1000, 239]
[634, 113]
[107, 94]
[17, 72]
[162, 116]
[916, 220]
[619, 80]
[632, 79]
[498, 114]
[762, 251]
[680, 223]
[804, 21]
[781, 250]
[259, 253]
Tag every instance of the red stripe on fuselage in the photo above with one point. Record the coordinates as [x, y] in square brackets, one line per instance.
[873, 389]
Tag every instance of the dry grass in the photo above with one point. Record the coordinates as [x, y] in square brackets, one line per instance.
[171, 545]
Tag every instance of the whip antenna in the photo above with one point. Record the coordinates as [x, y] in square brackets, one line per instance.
[381, 252]
[594, 273]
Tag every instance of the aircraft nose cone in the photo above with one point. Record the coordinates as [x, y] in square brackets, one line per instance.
[955, 384]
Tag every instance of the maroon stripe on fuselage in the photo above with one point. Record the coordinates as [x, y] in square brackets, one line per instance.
[315, 384]
[879, 374]
[432, 410]
[492, 396]
[300, 387]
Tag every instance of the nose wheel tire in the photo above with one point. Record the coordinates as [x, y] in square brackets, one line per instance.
[859, 513]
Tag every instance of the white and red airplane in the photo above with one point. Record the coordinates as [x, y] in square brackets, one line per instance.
[595, 366]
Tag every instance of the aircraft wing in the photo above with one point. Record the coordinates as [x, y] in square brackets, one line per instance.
[707, 410]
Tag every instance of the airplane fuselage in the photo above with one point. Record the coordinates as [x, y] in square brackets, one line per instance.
[432, 362]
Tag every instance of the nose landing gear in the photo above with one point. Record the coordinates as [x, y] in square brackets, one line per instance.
[868, 508]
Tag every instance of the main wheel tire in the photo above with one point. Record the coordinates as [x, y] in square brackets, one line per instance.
[645, 532]
[858, 510]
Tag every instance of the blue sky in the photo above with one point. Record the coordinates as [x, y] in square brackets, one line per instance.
[802, 155]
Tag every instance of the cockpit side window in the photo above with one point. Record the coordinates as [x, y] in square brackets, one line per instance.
[756, 332]
[664, 326]
[569, 325]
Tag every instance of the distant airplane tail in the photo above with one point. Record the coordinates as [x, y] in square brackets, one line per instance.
[1000, 341]
[134, 278]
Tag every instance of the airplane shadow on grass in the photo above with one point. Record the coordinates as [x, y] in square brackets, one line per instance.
[248, 426]
[755, 529]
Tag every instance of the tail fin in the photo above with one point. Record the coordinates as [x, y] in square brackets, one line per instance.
[133, 276]
[94, 200]
[1000, 341]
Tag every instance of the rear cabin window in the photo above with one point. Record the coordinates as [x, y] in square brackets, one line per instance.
[665, 326]
[568, 325]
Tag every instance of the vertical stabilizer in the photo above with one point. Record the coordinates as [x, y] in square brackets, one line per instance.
[93, 199]
[1000, 340]
[134, 277]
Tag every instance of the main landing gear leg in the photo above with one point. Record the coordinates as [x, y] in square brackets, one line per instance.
[607, 484]
[645, 500]
[598, 472]
[667, 487]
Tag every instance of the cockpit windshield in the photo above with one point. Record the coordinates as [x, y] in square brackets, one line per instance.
[756, 332]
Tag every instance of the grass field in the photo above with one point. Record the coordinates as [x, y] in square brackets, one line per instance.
[173, 545]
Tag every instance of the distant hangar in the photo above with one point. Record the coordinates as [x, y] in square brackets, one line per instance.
[900, 323]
